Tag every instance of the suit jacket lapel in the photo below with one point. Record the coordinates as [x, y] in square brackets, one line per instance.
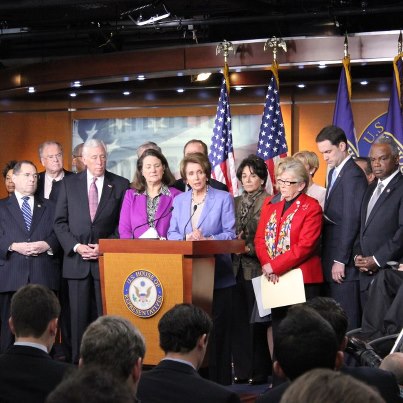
[15, 211]
[107, 191]
[39, 209]
[208, 206]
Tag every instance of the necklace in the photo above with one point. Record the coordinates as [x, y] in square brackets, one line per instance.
[202, 201]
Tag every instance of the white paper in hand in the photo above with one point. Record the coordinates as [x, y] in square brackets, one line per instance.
[151, 233]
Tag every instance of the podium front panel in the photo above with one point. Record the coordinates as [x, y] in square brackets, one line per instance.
[131, 281]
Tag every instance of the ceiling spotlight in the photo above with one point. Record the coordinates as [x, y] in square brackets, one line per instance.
[301, 85]
[77, 84]
[201, 77]
[238, 88]
[31, 90]
[364, 82]
[73, 94]
[126, 93]
[141, 77]
[180, 90]
[148, 13]
[322, 65]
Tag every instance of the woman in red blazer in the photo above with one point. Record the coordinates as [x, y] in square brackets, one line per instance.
[288, 232]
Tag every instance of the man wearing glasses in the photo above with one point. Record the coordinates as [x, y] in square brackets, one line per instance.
[51, 156]
[28, 245]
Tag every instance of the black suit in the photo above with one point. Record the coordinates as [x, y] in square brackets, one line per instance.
[181, 185]
[341, 228]
[176, 382]
[28, 374]
[73, 226]
[382, 234]
[40, 190]
[17, 270]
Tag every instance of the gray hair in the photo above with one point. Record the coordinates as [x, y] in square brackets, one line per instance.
[385, 139]
[92, 143]
[114, 344]
[296, 167]
[146, 146]
[48, 143]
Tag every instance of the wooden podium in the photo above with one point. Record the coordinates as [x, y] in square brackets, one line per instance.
[134, 272]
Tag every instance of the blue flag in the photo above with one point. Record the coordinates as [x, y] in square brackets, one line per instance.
[394, 119]
[343, 115]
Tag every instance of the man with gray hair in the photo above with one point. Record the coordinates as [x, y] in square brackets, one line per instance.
[113, 344]
[381, 232]
[146, 146]
[87, 209]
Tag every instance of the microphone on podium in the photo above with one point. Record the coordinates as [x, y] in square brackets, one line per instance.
[191, 216]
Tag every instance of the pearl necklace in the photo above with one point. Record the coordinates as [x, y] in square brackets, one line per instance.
[202, 201]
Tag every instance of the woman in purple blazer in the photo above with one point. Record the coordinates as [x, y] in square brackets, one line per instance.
[148, 204]
[208, 213]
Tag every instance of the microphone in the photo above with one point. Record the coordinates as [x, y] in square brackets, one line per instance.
[164, 214]
[191, 216]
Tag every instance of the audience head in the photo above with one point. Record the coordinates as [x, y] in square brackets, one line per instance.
[365, 164]
[394, 363]
[51, 156]
[332, 144]
[94, 157]
[115, 345]
[184, 329]
[309, 159]
[152, 169]
[291, 177]
[34, 314]
[77, 162]
[25, 178]
[303, 341]
[331, 311]
[149, 145]
[384, 156]
[252, 172]
[91, 385]
[195, 146]
[324, 385]
[8, 176]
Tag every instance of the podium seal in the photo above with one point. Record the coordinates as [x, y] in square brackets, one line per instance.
[143, 293]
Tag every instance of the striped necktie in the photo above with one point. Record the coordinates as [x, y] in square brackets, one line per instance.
[93, 198]
[26, 212]
[374, 199]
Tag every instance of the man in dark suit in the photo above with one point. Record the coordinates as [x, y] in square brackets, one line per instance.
[197, 146]
[28, 244]
[381, 234]
[87, 209]
[51, 156]
[346, 186]
[382, 380]
[184, 331]
[27, 373]
[115, 346]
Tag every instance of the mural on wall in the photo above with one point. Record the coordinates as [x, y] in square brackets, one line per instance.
[123, 136]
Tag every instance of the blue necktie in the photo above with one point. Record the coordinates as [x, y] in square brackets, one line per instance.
[26, 212]
[331, 179]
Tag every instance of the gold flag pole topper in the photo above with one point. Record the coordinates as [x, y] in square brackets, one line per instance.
[225, 47]
[275, 43]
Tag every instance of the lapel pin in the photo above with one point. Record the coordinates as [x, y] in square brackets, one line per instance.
[387, 190]
[109, 186]
[39, 205]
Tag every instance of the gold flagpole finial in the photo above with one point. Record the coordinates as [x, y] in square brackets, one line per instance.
[346, 54]
[399, 43]
[275, 43]
[224, 47]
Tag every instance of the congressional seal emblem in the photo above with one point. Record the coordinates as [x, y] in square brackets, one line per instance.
[143, 293]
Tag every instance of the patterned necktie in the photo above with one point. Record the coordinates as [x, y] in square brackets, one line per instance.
[93, 199]
[26, 212]
[374, 199]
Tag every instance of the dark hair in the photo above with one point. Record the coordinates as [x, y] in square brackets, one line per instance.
[368, 167]
[139, 182]
[331, 311]
[256, 165]
[303, 341]
[9, 165]
[332, 133]
[181, 327]
[202, 143]
[112, 343]
[18, 166]
[195, 158]
[91, 385]
[32, 308]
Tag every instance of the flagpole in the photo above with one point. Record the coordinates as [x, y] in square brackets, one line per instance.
[225, 47]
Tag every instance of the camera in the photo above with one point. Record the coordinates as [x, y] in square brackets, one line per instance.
[363, 353]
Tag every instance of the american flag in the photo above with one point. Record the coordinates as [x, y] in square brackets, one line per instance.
[272, 143]
[221, 153]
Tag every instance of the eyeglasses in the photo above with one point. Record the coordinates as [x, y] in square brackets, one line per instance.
[27, 175]
[52, 157]
[286, 183]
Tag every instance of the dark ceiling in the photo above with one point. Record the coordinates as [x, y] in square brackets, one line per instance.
[34, 30]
